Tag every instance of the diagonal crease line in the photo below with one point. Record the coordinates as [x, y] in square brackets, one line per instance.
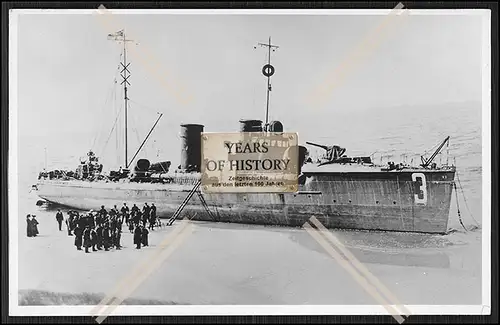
[131, 287]
[164, 254]
[341, 73]
[363, 282]
[358, 265]
[138, 269]
[368, 40]
[172, 237]
[152, 65]
[358, 50]
[154, 68]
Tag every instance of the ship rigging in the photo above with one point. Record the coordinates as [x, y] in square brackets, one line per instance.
[120, 38]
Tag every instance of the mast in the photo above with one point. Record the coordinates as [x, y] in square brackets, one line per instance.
[124, 82]
[125, 74]
[268, 71]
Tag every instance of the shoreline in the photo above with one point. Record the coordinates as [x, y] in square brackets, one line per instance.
[243, 264]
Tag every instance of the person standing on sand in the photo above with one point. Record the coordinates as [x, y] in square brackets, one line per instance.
[125, 212]
[131, 226]
[34, 226]
[93, 239]
[145, 213]
[152, 217]
[118, 236]
[78, 236]
[59, 218]
[86, 239]
[106, 237]
[144, 236]
[103, 212]
[29, 231]
[69, 222]
[100, 233]
[138, 237]
[135, 208]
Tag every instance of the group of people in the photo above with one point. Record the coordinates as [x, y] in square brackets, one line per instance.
[102, 229]
[32, 225]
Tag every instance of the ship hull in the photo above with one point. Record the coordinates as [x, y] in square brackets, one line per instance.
[412, 201]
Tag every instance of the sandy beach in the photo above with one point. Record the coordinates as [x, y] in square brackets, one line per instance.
[253, 265]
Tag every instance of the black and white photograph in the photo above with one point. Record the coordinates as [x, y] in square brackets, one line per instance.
[249, 162]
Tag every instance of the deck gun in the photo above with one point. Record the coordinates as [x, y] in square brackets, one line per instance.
[335, 154]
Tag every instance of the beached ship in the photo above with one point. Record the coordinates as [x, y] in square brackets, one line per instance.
[340, 191]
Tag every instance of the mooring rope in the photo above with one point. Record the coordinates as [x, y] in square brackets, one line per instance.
[458, 207]
[465, 200]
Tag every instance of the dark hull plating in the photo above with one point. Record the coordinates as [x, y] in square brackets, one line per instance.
[414, 201]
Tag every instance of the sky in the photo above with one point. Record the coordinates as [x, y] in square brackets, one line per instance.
[66, 68]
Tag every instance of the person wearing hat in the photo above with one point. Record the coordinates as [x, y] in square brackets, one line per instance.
[106, 238]
[87, 239]
[29, 229]
[103, 211]
[59, 218]
[69, 222]
[144, 236]
[145, 213]
[93, 238]
[78, 236]
[135, 208]
[152, 217]
[125, 213]
[34, 226]
[118, 234]
[138, 236]
[100, 233]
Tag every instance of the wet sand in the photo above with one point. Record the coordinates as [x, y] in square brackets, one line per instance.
[254, 265]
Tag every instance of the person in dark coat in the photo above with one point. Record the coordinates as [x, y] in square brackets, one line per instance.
[106, 238]
[137, 218]
[93, 239]
[152, 216]
[69, 222]
[145, 234]
[91, 220]
[78, 236]
[118, 235]
[138, 237]
[151, 222]
[87, 242]
[145, 213]
[34, 226]
[103, 211]
[135, 208]
[125, 212]
[59, 218]
[131, 226]
[29, 229]
[100, 232]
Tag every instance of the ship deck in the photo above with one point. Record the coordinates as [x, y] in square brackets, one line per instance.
[363, 168]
